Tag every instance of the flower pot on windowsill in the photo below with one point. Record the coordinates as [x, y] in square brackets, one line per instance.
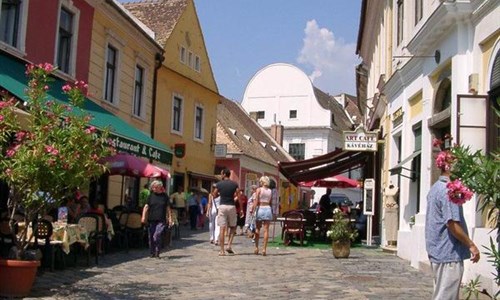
[17, 277]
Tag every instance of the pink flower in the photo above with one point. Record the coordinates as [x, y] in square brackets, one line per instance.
[1, 118]
[51, 150]
[458, 193]
[20, 135]
[8, 172]
[436, 142]
[12, 150]
[444, 160]
[90, 130]
[66, 88]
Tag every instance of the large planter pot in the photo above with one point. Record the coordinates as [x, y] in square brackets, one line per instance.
[341, 249]
[17, 277]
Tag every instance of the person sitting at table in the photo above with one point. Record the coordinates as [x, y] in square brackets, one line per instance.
[84, 204]
[73, 209]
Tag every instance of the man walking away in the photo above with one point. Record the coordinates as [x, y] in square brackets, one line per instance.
[228, 192]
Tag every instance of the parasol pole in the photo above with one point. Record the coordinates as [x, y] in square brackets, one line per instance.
[121, 192]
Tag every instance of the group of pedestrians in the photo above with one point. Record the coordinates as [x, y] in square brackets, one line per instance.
[229, 208]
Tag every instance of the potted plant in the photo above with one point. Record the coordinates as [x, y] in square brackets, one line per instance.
[46, 156]
[341, 233]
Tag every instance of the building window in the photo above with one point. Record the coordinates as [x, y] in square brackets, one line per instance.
[177, 114]
[198, 123]
[297, 151]
[182, 55]
[111, 72]
[197, 65]
[9, 21]
[261, 115]
[190, 59]
[418, 11]
[293, 114]
[65, 40]
[400, 17]
[332, 119]
[416, 164]
[138, 90]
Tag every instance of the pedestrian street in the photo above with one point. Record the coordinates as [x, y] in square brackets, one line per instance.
[192, 269]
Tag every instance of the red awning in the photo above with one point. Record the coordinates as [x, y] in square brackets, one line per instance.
[327, 165]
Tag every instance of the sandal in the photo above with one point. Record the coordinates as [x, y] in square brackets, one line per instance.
[263, 253]
[256, 251]
[230, 251]
[222, 253]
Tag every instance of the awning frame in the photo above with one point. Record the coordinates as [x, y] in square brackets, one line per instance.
[327, 165]
[397, 169]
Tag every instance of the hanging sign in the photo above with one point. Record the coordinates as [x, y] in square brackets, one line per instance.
[180, 150]
[360, 140]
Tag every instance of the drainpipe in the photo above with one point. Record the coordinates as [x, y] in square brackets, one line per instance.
[159, 58]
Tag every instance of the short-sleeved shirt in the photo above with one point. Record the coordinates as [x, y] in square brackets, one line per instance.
[158, 204]
[441, 245]
[226, 189]
[178, 199]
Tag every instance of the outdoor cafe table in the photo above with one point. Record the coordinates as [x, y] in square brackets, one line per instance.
[65, 234]
[69, 234]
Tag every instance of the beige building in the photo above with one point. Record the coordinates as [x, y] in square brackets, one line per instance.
[122, 71]
[187, 94]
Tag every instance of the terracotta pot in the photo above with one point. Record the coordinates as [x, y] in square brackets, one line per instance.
[341, 249]
[17, 277]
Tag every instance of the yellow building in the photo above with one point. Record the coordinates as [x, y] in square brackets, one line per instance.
[122, 71]
[187, 94]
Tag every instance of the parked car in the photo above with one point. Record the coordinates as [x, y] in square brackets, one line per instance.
[340, 199]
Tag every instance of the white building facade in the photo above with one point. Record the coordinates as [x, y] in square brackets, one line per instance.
[428, 70]
[313, 121]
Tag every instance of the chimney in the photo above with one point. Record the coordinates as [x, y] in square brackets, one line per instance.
[277, 133]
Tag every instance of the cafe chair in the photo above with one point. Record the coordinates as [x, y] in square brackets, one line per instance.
[134, 228]
[121, 237]
[93, 224]
[293, 226]
[42, 233]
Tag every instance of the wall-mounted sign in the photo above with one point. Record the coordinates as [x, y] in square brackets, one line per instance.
[360, 140]
[180, 150]
[220, 150]
[397, 117]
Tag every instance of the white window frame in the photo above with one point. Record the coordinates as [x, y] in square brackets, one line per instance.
[20, 47]
[116, 42]
[181, 115]
[142, 95]
[69, 6]
[197, 63]
[182, 54]
[199, 106]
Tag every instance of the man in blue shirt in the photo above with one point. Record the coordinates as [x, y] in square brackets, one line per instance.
[447, 241]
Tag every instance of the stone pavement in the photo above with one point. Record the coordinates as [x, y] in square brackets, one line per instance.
[192, 269]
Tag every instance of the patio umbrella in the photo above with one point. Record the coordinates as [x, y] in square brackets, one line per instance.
[128, 165]
[337, 181]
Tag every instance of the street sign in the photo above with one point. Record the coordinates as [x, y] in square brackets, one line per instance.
[360, 140]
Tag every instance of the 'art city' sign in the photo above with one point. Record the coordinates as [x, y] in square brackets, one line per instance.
[360, 140]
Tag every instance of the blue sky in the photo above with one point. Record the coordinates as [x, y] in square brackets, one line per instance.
[318, 36]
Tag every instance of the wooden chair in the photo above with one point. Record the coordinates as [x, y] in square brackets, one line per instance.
[293, 226]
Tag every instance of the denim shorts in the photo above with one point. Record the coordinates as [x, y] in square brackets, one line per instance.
[264, 213]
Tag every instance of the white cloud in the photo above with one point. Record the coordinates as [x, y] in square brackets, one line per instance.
[331, 60]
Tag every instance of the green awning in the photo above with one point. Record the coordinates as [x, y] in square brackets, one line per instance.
[125, 137]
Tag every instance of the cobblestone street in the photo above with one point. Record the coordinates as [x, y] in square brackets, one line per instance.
[192, 269]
